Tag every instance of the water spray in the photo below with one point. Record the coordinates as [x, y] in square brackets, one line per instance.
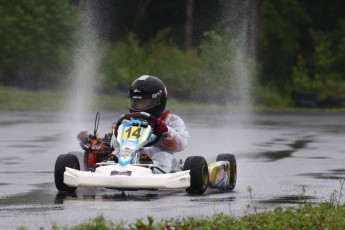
[83, 77]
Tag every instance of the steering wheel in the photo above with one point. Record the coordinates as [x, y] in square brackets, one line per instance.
[145, 116]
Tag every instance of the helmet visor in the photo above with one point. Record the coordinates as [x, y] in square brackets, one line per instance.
[136, 104]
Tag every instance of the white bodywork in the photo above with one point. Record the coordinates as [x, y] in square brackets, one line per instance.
[139, 178]
[132, 135]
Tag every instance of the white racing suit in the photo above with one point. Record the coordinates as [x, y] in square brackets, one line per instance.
[174, 140]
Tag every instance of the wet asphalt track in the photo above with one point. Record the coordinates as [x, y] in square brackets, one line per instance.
[277, 155]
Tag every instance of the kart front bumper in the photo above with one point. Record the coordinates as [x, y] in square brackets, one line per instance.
[132, 177]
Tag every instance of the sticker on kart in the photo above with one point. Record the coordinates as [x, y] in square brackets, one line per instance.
[132, 132]
[120, 173]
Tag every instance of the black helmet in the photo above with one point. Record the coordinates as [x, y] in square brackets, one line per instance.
[147, 94]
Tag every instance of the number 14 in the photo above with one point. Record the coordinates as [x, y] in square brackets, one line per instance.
[133, 132]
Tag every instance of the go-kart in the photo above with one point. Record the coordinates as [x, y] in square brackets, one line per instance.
[129, 170]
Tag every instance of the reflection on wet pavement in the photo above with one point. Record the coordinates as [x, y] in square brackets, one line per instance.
[214, 199]
[113, 196]
[300, 144]
[335, 174]
[276, 155]
[281, 154]
[294, 199]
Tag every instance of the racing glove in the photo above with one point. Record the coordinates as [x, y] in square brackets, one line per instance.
[161, 126]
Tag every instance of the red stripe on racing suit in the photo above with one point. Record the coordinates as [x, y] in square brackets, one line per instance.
[176, 139]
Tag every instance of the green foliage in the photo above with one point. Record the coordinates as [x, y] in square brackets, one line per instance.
[226, 70]
[122, 62]
[177, 68]
[319, 74]
[282, 25]
[215, 72]
[323, 58]
[130, 59]
[98, 223]
[339, 39]
[271, 98]
[139, 224]
[207, 75]
[336, 196]
[301, 46]
[301, 78]
[35, 40]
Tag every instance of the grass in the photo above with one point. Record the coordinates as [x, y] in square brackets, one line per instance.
[24, 100]
[305, 216]
[15, 99]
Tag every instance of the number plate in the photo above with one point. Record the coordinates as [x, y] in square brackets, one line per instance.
[132, 132]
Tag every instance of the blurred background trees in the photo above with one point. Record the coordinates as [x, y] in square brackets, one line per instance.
[35, 37]
[288, 44]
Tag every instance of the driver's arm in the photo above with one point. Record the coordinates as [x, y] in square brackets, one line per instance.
[176, 138]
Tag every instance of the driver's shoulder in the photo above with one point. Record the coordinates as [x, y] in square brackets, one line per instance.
[172, 118]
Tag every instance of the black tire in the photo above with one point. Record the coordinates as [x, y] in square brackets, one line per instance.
[198, 173]
[233, 168]
[65, 160]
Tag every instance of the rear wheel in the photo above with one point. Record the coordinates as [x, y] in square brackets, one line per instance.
[233, 168]
[65, 160]
[198, 173]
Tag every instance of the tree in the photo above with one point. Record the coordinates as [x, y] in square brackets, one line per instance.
[281, 29]
[189, 25]
[35, 39]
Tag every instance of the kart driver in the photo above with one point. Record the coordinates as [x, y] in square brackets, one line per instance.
[149, 94]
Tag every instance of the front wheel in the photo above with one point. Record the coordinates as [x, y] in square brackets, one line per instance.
[198, 173]
[233, 168]
[65, 160]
